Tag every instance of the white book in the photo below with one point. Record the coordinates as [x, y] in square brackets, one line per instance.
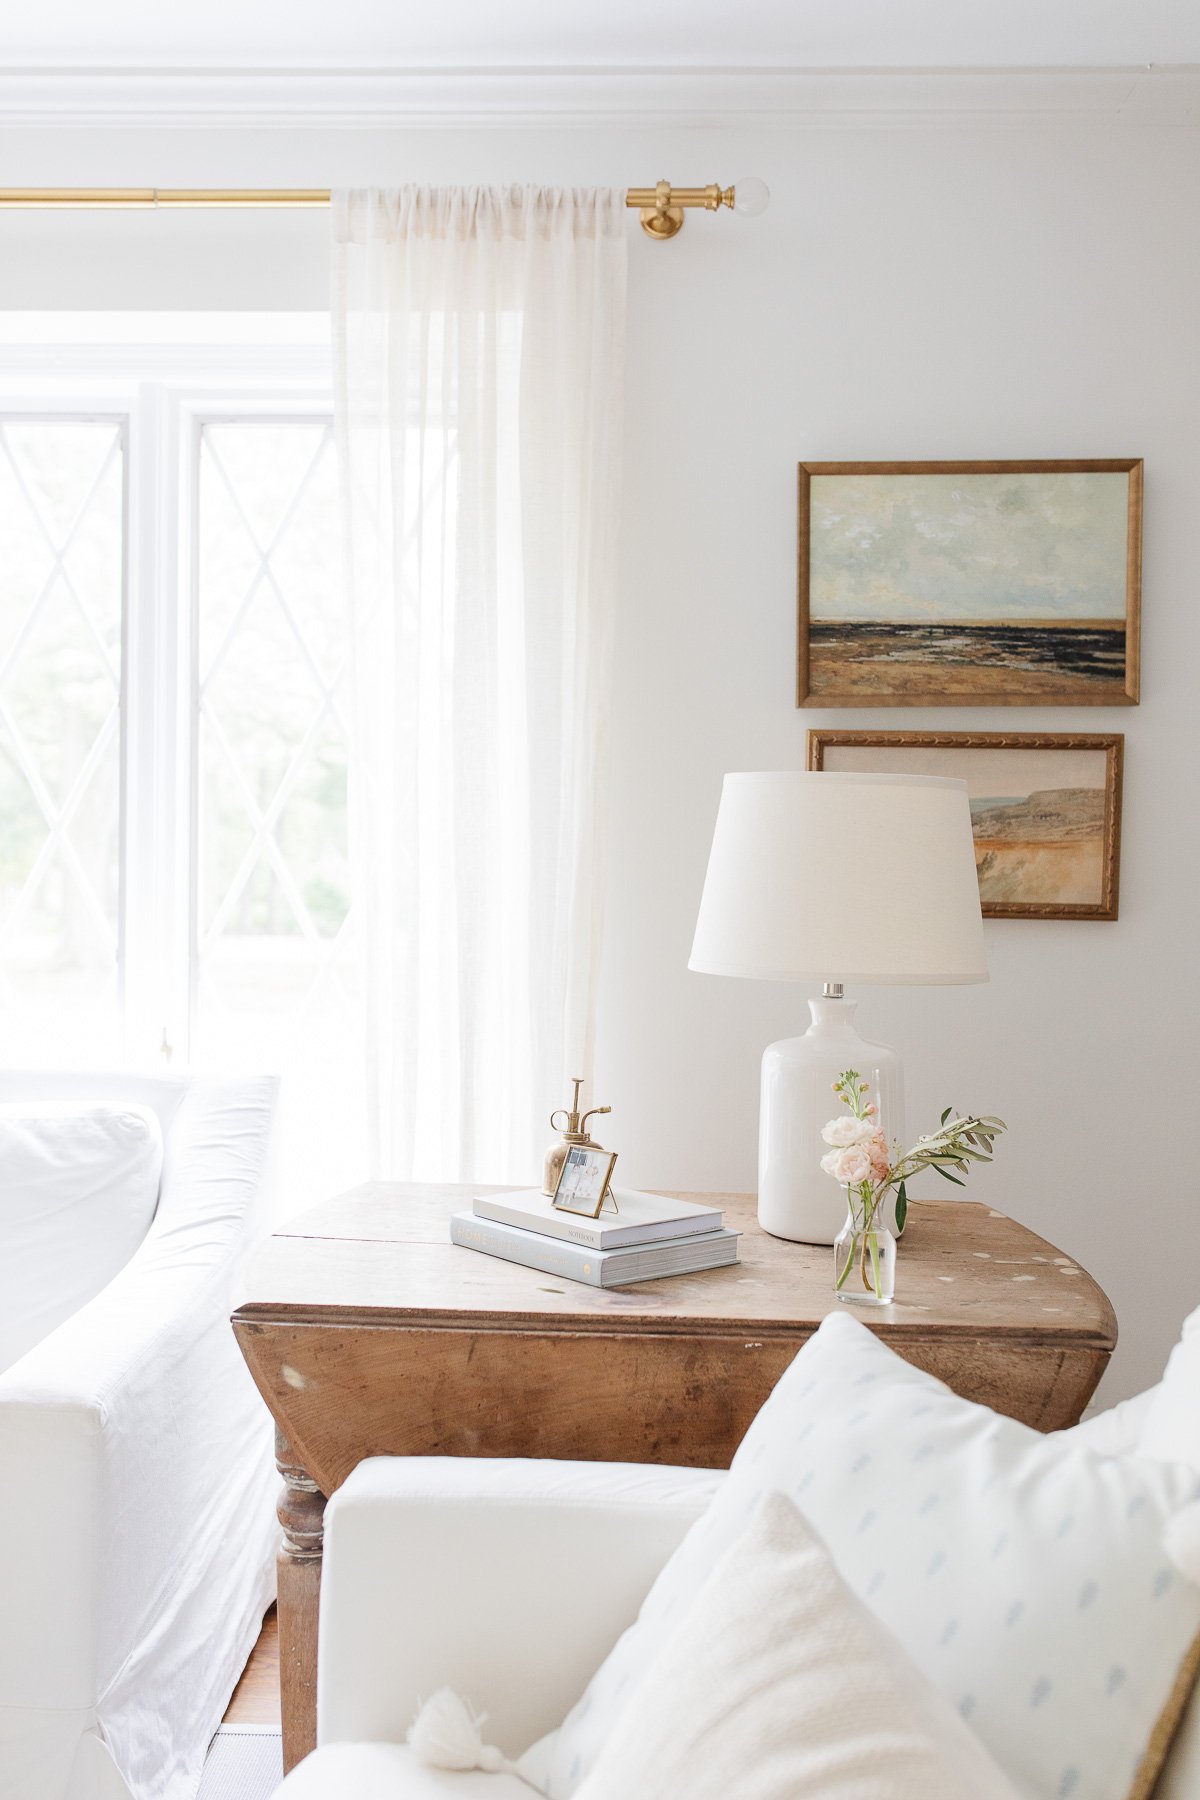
[598, 1268]
[640, 1219]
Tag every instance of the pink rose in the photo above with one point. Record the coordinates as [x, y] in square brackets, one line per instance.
[846, 1130]
[850, 1166]
[877, 1149]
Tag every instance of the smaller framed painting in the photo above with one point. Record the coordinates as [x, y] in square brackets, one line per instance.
[970, 583]
[1045, 809]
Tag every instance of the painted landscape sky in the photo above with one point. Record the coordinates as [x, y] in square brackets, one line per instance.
[924, 549]
[990, 773]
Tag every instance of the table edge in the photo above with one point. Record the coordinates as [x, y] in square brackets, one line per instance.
[281, 1313]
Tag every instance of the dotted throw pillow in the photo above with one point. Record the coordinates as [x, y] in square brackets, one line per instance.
[1026, 1577]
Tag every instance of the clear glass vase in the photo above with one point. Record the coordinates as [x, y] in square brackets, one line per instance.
[864, 1258]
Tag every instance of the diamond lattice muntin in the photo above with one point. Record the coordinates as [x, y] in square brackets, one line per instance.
[273, 892]
[61, 619]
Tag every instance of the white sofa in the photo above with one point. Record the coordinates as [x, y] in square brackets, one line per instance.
[507, 1581]
[136, 1503]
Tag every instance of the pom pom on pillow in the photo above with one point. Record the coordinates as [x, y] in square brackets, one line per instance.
[448, 1734]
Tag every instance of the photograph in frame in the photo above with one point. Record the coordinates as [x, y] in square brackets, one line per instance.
[583, 1184]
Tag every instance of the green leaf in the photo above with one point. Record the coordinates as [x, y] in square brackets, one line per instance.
[945, 1115]
[901, 1209]
[946, 1175]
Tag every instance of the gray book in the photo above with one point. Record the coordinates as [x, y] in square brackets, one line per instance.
[598, 1268]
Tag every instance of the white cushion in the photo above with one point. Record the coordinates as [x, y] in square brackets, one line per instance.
[1119, 1432]
[1114, 1432]
[389, 1772]
[777, 1684]
[1180, 1779]
[78, 1189]
[1026, 1578]
[162, 1094]
[1171, 1429]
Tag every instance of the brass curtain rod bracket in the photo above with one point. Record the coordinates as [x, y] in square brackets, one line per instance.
[662, 206]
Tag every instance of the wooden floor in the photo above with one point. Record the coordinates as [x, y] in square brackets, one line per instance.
[256, 1697]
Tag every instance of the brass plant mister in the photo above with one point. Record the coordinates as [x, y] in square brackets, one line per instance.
[574, 1131]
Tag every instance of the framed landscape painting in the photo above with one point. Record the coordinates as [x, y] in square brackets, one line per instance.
[1045, 809]
[970, 584]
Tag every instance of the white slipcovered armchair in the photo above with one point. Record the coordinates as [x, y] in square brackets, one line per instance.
[136, 1507]
[509, 1581]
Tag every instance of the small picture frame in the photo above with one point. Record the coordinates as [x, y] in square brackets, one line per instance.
[583, 1185]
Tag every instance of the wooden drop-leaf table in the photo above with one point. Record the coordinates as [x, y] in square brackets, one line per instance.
[369, 1334]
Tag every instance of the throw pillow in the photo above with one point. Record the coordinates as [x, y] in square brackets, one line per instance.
[78, 1192]
[1026, 1578]
[777, 1684]
[1171, 1430]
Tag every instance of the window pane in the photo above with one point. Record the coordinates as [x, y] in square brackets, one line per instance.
[276, 971]
[61, 616]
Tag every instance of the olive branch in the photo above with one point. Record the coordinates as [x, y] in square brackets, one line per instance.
[950, 1151]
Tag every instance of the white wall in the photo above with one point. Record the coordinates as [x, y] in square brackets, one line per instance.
[998, 291]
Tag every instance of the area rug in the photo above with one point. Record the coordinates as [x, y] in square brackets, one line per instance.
[245, 1762]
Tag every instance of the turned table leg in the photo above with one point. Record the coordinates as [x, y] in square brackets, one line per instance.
[302, 1516]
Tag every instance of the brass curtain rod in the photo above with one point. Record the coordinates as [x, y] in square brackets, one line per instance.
[661, 206]
[152, 198]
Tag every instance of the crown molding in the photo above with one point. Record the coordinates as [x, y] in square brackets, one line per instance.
[355, 98]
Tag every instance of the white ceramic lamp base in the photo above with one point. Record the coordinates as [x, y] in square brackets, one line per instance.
[796, 1198]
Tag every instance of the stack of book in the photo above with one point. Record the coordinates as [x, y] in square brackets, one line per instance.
[649, 1236]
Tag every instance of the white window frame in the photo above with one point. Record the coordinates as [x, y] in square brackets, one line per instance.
[165, 394]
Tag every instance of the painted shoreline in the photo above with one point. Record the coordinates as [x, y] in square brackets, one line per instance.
[881, 657]
[1076, 649]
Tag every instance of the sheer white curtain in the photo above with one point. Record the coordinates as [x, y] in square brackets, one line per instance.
[479, 352]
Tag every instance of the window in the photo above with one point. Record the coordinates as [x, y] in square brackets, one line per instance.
[174, 860]
[62, 511]
[272, 857]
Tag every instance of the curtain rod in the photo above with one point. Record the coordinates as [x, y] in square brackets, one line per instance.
[661, 206]
[152, 198]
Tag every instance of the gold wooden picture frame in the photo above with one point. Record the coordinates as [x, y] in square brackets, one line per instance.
[584, 1182]
[970, 583]
[1045, 809]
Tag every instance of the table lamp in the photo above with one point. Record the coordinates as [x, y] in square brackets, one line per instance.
[833, 879]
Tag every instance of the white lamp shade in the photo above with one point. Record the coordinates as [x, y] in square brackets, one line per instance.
[852, 878]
